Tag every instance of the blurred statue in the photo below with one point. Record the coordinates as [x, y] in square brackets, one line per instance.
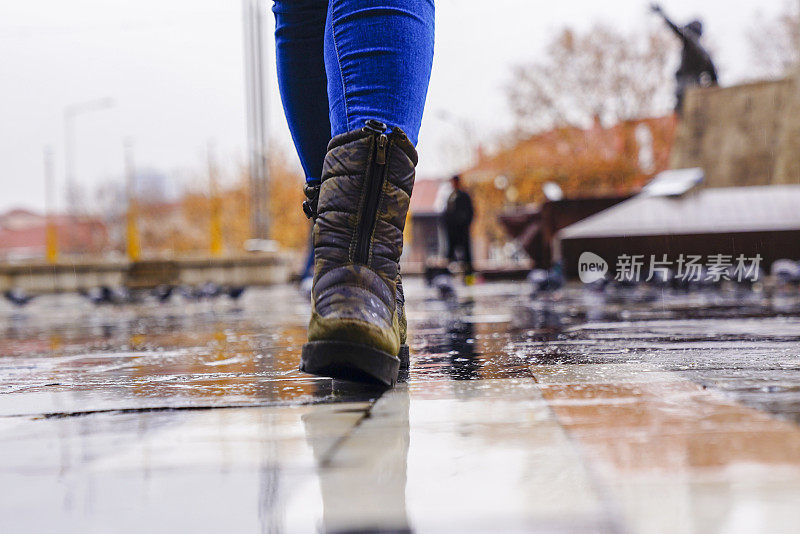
[696, 67]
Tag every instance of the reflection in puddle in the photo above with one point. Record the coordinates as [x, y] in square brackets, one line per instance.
[180, 354]
[362, 477]
[129, 396]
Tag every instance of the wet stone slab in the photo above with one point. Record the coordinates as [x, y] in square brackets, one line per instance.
[628, 411]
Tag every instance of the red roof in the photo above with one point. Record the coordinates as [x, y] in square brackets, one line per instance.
[425, 195]
[24, 232]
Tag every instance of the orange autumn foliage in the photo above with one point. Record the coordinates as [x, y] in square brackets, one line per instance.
[583, 162]
[183, 226]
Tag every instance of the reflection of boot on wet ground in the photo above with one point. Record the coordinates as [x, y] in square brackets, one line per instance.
[464, 361]
[362, 476]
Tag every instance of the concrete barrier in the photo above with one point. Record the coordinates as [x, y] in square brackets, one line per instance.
[36, 278]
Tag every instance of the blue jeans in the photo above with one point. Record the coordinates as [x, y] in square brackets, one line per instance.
[342, 62]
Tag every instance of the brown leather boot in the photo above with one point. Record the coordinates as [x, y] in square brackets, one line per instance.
[360, 209]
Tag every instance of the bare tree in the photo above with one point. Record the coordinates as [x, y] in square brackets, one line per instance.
[775, 43]
[601, 73]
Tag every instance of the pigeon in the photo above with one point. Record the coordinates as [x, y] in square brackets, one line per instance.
[543, 280]
[18, 297]
[443, 283]
[786, 271]
[210, 290]
[431, 272]
[163, 292]
[190, 293]
[107, 295]
[98, 295]
[235, 292]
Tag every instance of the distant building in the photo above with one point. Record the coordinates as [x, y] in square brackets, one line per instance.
[728, 221]
[426, 242]
[23, 235]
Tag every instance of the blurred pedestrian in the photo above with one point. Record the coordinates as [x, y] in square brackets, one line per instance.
[458, 217]
[696, 68]
[353, 77]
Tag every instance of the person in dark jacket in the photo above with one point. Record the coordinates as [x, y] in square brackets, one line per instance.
[457, 219]
[696, 66]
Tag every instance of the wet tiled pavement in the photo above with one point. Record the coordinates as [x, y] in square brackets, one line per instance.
[635, 411]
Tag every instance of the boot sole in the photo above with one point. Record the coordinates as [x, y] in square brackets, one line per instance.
[350, 361]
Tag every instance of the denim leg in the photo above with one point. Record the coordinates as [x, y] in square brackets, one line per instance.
[299, 46]
[378, 56]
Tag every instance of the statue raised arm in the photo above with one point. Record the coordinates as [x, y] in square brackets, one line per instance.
[656, 8]
[696, 67]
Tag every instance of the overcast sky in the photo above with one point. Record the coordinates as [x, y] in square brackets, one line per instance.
[174, 70]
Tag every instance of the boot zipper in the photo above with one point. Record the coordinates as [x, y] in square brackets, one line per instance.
[375, 177]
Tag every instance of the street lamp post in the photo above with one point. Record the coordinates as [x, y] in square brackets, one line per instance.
[797, 43]
[71, 112]
[467, 132]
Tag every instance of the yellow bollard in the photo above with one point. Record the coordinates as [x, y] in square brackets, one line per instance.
[215, 205]
[131, 227]
[50, 234]
[51, 241]
[216, 225]
[134, 246]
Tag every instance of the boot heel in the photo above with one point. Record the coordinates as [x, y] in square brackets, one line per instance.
[350, 361]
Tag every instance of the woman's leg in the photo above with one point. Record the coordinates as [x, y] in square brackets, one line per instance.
[299, 45]
[378, 57]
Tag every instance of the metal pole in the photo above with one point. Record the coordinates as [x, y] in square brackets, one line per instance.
[70, 113]
[253, 24]
[248, 84]
[69, 161]
[797, 43]
[263, 118]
